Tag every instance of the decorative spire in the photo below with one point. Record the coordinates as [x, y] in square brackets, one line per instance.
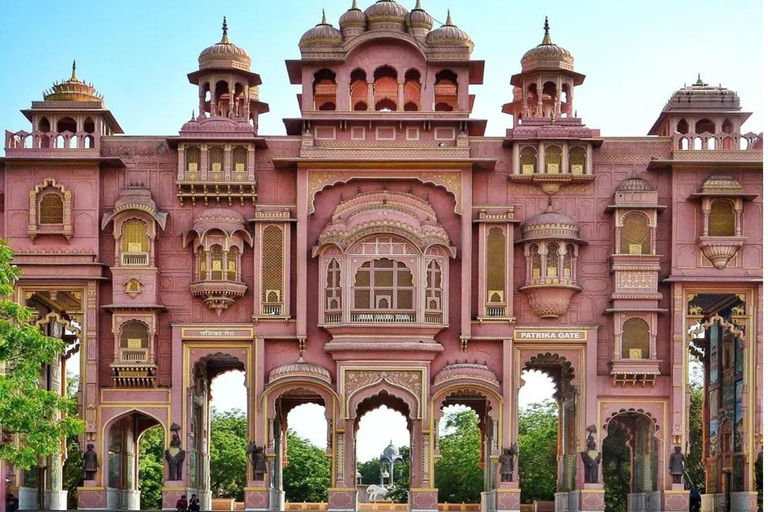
[224, 31]
[699, 83]
[418, 6]
[354, 5]
[449, 20]
[547, 39]
[324, 21]
[74, 72]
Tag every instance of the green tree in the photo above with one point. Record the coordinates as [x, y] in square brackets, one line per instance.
[693, 464]
[616, 469]
[370, 471]
[228, 453]
[537, 445]
[308, 473]
[73, 466]
[458, 475]
[151, 468]
[30, 413]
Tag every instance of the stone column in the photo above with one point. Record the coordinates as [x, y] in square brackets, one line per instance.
[58, 496]
[400, 96]
[371, 97]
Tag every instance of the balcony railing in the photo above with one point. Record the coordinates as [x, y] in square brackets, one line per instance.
[36, 140]
[135, 258]
[272, 309]
[496, 310]
[383, 317]
[433, 317]
[134, 355]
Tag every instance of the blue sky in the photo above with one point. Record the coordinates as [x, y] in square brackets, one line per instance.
[635, 54]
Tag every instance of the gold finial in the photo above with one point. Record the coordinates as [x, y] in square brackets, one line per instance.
[224, 31]
[324, 21]
[74, 72]
[449, 20]
[547, 39]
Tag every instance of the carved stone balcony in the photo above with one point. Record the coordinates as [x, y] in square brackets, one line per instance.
[719, 250]
[635, 371]
[128, 374]
[550, 300]
[218, 295]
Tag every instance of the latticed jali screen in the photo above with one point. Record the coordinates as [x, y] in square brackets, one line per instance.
[635, 234]
[134, 335]
[722, 219]
[635, 339]
[135, 237]
[496, 265]
[272, 264]
[51, 209]
[527, 160]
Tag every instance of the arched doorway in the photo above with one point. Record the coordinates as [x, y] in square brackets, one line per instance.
[121, 464]
[630, 453]
[562, 374]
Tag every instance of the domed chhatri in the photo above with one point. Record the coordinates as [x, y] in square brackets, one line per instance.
[450, 35]
[634, 184]
[547, 55]
[419, 19]
[550, 224]
[224, 54]
[353, 20]
[72, 90]
[322, 34]
[386, 15]
[300, 369]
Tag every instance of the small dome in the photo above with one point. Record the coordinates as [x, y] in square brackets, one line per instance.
[634, 184]
[222, 218]
[419, 18]
[299, 369]
[550, 225]
[207, 125]
[547, 55]
[721, 185]
[460, 371]
[224, 54]
[391, 453]
[449, 35]
[322, 34]
[354, 17]
[72, 90]
[136, 197]
[386, 15]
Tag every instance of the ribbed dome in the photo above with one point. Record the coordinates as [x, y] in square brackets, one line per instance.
[721, 185]
[72, 90]
[224, 54]
[419, 18]
[391, 453]
[136, 198]
[300, 368]
[550, 224]
[547, 55]
[354, 17]
[206, 125]
[322, 34]
[220, 217]
[386, 15]
[460, 371]
[634, 184]
[449, 35]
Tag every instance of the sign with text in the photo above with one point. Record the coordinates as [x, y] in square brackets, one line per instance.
[217, 333]
[523, 334]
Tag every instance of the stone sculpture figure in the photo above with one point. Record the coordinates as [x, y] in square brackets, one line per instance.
[174, 455]
[258, 460]
[506, 462]
[90, 462]
[591, 458]
[676, 465]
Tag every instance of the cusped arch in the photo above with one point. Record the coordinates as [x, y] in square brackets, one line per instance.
[616, 410]
[224, 356]
[383, 386]
[299, 388]
[457, 390]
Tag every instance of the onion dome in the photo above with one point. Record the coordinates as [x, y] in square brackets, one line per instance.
[391, 453]
[322, 34]
[547, 55]
[352, 22]
[72, 90]
[550, 225]
[449, 35]
[300, 369]
[224, 54]
[419, 19]
[634, 184]
[386, 15]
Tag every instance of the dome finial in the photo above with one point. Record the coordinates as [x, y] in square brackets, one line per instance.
[324, 21]
[547, 39]
[354, 5]
[699, 83]
[449, 20]
[418, 6]
[74, 72]
[224, 31]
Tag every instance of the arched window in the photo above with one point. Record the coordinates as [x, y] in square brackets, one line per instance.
[51, 209]
[66, 124]
[134, 334]
[705, 125]
[135, 243]
[217, 262]
[446, 91]
[384, 284]
[495, 265]
[568, 261]
[635, 234]
[216, 157]
[535, 262]
[222, 98]
[682, 126]
[527, 160]
[434, 295]
[233, 258]
[722, 218]
[385, 88]
[272, 264]
[553, 157]
[192, 158]
[358, 90]
[635, 339]
[89, 126]
[333, 291]
[203, 273]
[553, 260]
[577, 159]
[324, 90]
[412, 90]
